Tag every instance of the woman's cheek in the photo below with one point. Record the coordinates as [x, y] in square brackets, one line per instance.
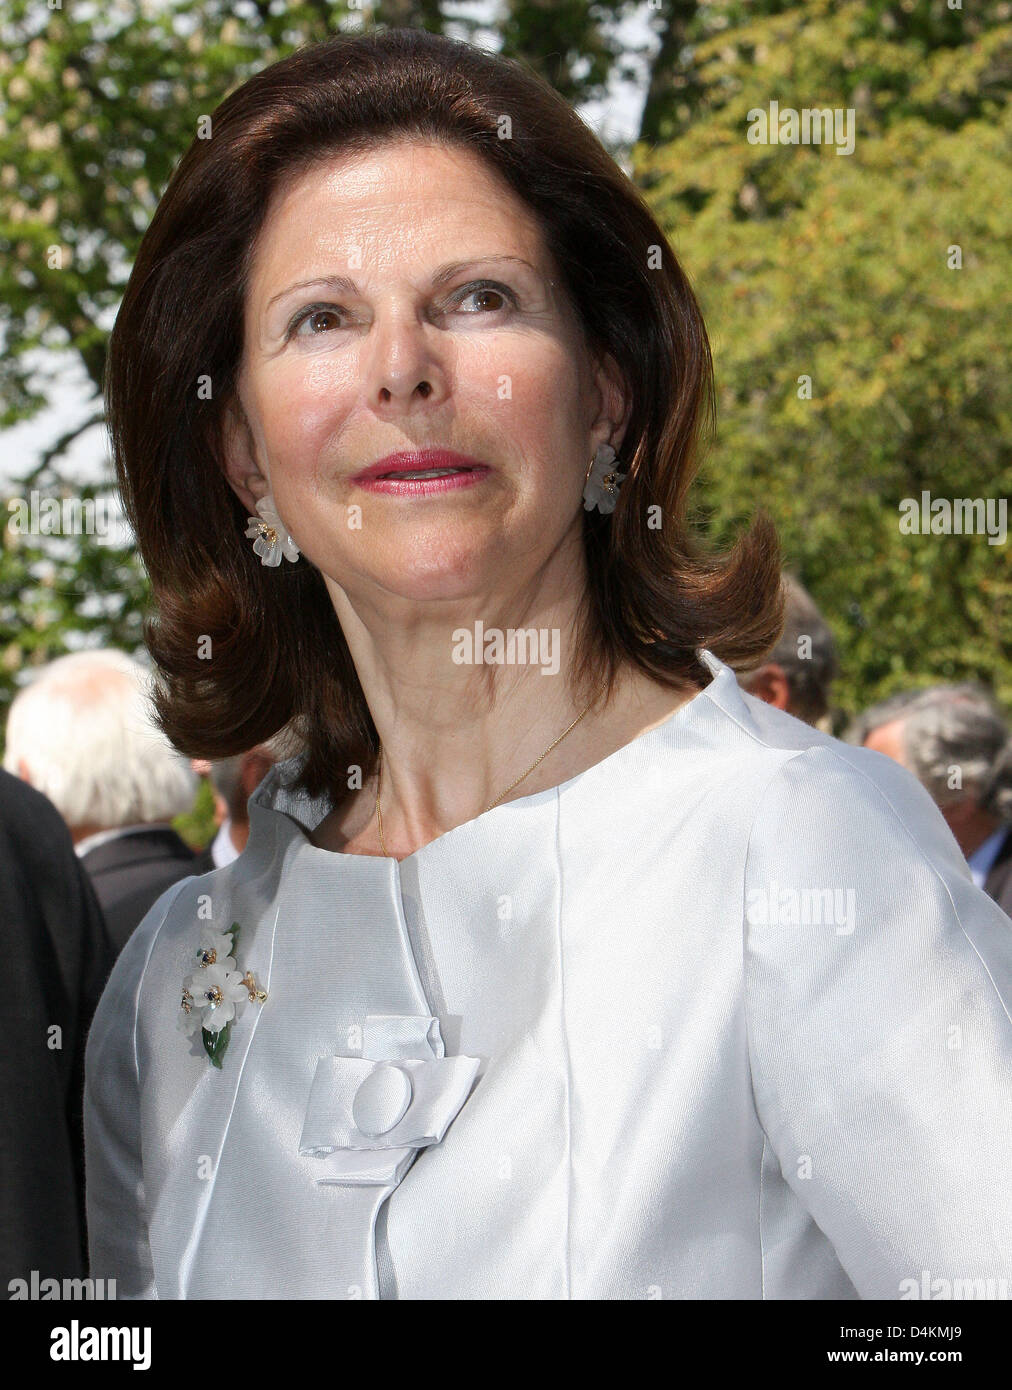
[303, 427]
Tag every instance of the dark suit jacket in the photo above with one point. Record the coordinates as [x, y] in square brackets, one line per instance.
[56, 959]
[131, 871]
[999, 879]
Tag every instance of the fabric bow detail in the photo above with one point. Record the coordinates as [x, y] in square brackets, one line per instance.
[368, 1116]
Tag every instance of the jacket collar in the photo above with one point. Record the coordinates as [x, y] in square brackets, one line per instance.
[276, 795]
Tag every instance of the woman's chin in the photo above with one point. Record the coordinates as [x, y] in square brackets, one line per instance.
[432, 583]
[422, 574]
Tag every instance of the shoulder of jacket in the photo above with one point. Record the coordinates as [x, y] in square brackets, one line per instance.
[865, 809]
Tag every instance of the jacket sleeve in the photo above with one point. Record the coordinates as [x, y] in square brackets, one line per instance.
[114, 1168]
[878, 984]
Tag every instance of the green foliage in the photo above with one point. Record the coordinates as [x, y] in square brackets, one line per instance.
[197, 826]
[837, 267]
[869, 53]
[563, 41]
[63, 593]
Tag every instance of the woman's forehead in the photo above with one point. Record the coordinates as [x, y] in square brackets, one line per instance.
[374, 211]
[398, 172]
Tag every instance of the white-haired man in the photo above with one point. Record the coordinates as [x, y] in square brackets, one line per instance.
[83, 733]
[956, 742]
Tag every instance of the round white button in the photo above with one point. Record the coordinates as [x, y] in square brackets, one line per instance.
[381, 1100]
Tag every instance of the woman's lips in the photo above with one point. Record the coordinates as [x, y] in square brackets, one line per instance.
[416, 487]
[420, 473]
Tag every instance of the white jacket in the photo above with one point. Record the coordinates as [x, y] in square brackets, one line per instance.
[723, 1016]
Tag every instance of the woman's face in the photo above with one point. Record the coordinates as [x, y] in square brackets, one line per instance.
[444, 325]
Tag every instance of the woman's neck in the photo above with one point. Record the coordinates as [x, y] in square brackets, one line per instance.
[464, 705]
[436, 778]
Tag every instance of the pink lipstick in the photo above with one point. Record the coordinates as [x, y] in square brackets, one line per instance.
[421, 472]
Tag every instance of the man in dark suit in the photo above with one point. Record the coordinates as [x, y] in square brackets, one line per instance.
[57, 957]
[83, 732]
[131, 869]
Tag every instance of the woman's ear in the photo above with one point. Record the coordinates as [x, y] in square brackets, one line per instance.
[240, 467]
[615, 397]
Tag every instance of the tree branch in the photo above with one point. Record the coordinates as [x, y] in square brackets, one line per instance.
[57, 448]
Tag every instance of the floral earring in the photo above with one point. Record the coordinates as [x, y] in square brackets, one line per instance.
[270, 538]
[603, 480]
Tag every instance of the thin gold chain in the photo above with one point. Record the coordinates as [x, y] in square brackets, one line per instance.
[515, 783]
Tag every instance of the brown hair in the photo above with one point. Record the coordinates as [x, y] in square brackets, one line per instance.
[280, 658]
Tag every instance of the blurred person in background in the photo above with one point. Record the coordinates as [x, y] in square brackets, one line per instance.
[234, 780]
[57, 957]
[797, 673]
[877, 716]
[957, 743]
[82, 733]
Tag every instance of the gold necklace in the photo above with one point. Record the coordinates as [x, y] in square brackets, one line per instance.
[515, 783]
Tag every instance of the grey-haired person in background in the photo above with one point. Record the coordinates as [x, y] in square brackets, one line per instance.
[957, 743]
[82, 733]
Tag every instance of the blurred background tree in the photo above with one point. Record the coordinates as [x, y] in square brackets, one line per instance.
[840, 268]
[807, 263]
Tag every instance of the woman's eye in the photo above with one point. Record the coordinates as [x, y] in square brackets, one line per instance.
[483, 292]
[311, 316]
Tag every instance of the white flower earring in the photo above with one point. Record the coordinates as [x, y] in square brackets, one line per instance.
[603, 480]
[270, 538]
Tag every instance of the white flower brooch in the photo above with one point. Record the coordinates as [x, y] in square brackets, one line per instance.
[216, 992]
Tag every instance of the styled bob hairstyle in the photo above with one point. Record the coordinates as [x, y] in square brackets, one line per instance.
[280, 659]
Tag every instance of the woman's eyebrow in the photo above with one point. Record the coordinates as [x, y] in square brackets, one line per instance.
[344, 285]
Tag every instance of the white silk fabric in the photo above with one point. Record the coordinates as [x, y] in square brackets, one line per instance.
[722, 1017]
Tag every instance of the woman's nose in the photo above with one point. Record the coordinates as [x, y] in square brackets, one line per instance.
[402, 360]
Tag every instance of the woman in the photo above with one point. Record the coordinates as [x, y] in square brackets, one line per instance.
[555, 966]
